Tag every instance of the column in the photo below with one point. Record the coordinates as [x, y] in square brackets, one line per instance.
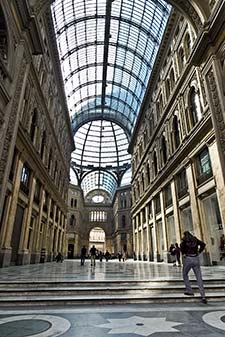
[36, 252]
[154, 240]
[165, 251]
[175, 212]
[23, 253]
[195, 212]
[193, 202]
[134, 238]
[140, 229]
[147, 231]
[5, 253]
[218, 174]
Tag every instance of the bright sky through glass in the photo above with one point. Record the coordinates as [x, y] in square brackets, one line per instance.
[107, 50]
[136, 28]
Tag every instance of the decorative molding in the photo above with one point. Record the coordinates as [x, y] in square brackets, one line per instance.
[217, 112]
[187, 9]
[12, 126]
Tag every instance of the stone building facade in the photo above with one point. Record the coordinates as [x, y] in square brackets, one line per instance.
[111, 216]
[36, 139]
[178, 144]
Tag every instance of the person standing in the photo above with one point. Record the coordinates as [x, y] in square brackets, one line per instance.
[83, 255]
[191, 247]
[107, 256]
[177, 254]
[93, 255]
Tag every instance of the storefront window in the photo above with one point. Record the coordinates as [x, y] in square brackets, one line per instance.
[181, 182]
[214, 226]
[186, 219]
[159, 238]
[170, 227]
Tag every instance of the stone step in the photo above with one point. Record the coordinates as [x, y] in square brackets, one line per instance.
[39, 292]
[97, 290]
[105, 299]
[102, 283]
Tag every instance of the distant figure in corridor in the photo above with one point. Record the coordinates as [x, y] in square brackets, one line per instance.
[59, 257]
[107, 256]
[93, 252]
[191, 247]
[83, 255]
[100, 256]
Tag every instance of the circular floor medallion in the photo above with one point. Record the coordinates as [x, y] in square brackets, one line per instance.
[34, 326]
[215, 319]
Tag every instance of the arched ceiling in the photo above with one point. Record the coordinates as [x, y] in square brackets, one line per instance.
[107, 50]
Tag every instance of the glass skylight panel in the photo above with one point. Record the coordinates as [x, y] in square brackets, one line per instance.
[136, 28]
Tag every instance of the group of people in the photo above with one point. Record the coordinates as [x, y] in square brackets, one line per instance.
[191, 247]
[175, 251]
[93, 253]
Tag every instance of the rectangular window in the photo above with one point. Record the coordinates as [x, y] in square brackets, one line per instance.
[37, 192]
[97, 216]
[204, 169]
[25, 178]
[181, 184]
[157, 204]
[168, 195]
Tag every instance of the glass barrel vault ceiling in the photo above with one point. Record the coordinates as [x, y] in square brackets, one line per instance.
[107, 49]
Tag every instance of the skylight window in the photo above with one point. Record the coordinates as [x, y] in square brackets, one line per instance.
[107, 50]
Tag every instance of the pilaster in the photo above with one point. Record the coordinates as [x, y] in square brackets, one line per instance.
[23, 254]
[5, 253]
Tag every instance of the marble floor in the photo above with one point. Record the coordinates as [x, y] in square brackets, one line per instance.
[156, 320]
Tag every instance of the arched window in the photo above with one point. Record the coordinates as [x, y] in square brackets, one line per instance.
[172, 79]
[164, 150]
[72, 221]
[187, 45]
[167, 88]
[160, 104]
[155, 163]
[181, 58]
[175, 132]
[195, 107]
[43, 143]
[50, 160]
[148, 173]
[157, 113]
[55, 171]
[123, 221]
[3, 37]
[33, 125]
[143, 181]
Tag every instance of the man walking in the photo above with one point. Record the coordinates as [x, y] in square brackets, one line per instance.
[83, 255]
[191, 247]
[93, 255]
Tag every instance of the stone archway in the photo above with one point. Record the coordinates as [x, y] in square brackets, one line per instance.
[97, 237]
[196, 11]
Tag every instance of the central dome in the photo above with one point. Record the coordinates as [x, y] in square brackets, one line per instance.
[101, 144]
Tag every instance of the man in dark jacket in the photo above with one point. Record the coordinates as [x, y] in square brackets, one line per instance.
[93, 252]
[83, 255]
[191, 247]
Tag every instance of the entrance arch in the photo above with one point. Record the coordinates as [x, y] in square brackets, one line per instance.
[97, 237]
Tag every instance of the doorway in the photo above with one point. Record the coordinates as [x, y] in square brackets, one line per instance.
[97, 238]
